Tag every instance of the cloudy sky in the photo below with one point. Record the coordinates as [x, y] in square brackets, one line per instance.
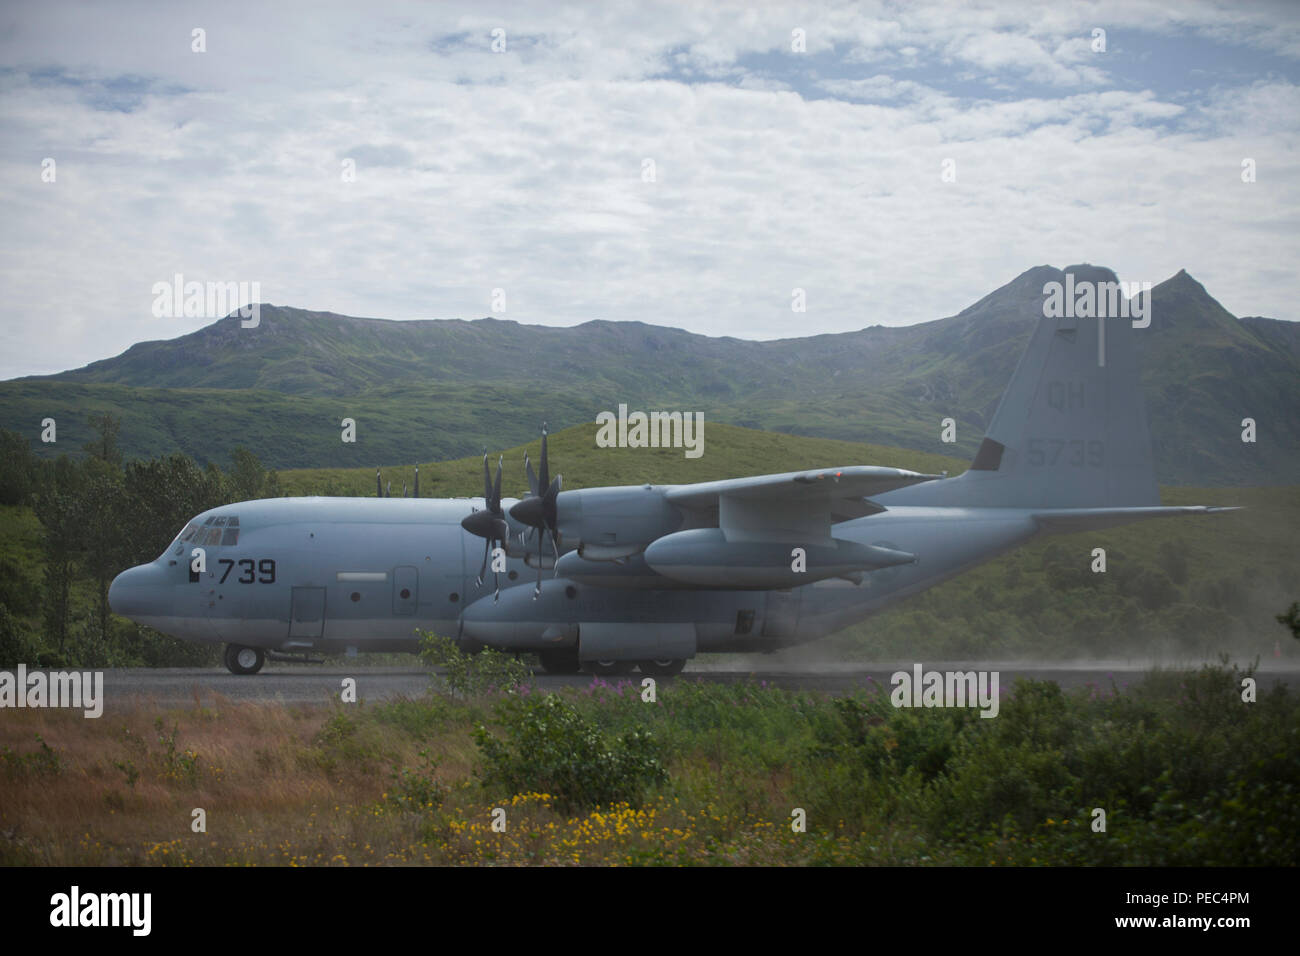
[681, 164]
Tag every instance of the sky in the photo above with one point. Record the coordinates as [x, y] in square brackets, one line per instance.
[688, 165]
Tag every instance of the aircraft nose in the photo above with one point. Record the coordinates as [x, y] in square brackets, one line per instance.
[137, 592]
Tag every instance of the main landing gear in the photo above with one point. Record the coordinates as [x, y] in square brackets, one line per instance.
[561, 661]
[565, 661]
[243, 660]
[666, 667]
[608, 668]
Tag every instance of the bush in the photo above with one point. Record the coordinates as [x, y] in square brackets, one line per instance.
[417, 789]
[469, 675]
[44, 762]
[550, 747]
[347, 743]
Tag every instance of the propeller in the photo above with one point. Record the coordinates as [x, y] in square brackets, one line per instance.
[490, 523]
[540, 510]
[380, 491]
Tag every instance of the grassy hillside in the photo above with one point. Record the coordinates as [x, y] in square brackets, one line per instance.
[442, 389]
[729, 452]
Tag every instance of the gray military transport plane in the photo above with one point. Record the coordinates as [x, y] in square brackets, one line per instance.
[649, 575]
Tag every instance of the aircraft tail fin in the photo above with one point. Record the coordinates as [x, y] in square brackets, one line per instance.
[1071, 430]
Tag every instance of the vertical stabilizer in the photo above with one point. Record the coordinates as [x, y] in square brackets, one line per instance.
[1071, 430]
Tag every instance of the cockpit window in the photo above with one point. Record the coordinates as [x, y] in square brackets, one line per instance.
[215, 531]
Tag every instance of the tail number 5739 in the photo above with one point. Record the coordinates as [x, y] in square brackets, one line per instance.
[1076, 452]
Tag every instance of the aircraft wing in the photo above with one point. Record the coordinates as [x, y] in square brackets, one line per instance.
[839, 493]
[744, 532]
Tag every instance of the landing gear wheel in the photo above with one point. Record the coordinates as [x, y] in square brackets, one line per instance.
[608, 668]
[560, 661]
[666, 667]
[244, 660]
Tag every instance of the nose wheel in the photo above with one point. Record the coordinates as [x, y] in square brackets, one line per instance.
[244, 660]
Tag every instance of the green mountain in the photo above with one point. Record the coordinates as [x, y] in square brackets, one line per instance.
[442, 389]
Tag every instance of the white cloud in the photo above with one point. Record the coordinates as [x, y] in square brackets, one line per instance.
[522, 170]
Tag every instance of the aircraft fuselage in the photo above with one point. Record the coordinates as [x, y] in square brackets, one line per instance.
[328, 574]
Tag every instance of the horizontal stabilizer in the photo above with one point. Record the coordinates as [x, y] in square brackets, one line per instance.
[1066, 520]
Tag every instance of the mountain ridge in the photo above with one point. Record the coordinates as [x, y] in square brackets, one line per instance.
[300, 372]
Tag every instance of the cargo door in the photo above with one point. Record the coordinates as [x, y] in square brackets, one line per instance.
[307, 614]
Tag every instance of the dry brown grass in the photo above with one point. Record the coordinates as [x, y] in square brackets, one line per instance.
[265, 774]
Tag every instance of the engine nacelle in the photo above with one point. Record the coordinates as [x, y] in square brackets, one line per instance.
[609, 524]
[705, 558]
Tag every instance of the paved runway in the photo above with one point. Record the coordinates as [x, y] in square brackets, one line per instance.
[306, 683]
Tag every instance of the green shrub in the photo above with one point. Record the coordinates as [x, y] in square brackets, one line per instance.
[43, 762]
[470, 675]
[347, 742]
[422, 717]
[550, 747]
[174, 763]
[417, 789]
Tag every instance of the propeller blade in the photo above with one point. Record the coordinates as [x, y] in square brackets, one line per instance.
[541, 479]
[379, 485]
[487, 545]
[550, 505]
[532, 478]
[496, 489]
[404, 494]
[417, 482]
[540, 511]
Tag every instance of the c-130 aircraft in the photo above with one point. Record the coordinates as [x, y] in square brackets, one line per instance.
[647, 576]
